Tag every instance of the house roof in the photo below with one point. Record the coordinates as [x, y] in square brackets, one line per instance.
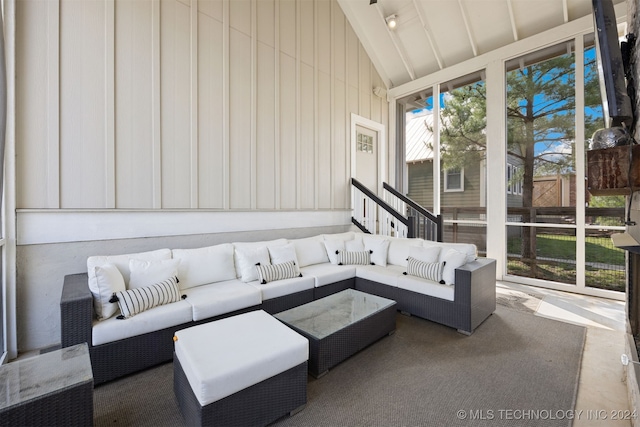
[419, 137]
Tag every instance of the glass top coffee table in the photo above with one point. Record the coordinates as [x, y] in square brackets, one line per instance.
[340, 325]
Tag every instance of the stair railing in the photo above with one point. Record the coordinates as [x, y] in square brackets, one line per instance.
[373, 215]
[426, 225]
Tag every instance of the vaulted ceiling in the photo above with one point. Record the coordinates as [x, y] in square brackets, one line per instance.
[434, 34]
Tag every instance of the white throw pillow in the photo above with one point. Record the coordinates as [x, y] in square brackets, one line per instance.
[107, 280]
[254, 245]
[379, 248]
[425, 254]
[121, 262]
[354, 245]
[452, 259]
[399, 250]
[469, 249]
[334, 247]
[282, 254]
[246, 260]
[310, 251]
[205, 265]
[147, 273]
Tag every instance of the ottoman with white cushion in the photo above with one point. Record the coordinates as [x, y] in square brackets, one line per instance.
[248, 369]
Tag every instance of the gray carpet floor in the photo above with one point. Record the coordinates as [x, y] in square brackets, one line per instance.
[516, 369]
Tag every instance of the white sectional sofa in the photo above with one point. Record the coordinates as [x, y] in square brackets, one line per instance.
[223, 280]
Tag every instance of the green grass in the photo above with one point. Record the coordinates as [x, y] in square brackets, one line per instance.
[598, 249]
[552, 249]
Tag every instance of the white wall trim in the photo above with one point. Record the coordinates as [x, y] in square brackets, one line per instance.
[63, 226]
[9, 270]
[155, 77]
[194, 117]
[53, 105]
[110, 103]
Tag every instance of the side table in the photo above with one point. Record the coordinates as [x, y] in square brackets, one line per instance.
[51, 389]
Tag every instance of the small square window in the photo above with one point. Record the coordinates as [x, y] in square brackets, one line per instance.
[454, 180]
[364, 143]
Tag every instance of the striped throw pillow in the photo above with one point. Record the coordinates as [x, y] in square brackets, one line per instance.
[354, 258]
[271, 272]
[134, 301]
[426, 270]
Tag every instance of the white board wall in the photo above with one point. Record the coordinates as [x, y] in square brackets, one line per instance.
[165, 104]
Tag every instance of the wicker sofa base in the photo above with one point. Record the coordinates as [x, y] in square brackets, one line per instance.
[285, 302]
[261, 404]
[333, 288]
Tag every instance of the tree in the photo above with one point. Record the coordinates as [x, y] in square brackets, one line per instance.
[540, 124]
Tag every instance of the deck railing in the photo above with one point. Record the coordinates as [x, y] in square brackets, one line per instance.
[373, 215]
[426, 225]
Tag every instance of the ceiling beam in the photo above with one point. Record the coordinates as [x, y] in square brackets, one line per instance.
[427, 32]
[397, 43]
[472, 39]
[512, 18]
[565, 11]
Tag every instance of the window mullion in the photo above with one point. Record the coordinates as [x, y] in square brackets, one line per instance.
[580, 169]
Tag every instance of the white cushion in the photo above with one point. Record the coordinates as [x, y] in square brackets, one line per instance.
[122, 261]
[282, 254]
[326, 274]
[452, 259]
[107, 281]
[284, 287]
[161, 317]
[246, 260]
[354, 245]
[376, 273]
[334, 247]
[135, 301]
[205, 265]
[310, 251]
[147, 273]
[254, 245]
[220, 298]
[425, 254]
[101, 296]
[347, 235]
[426, 287]
[379, 247]
[399, 249]
[256, 346]
[467, 248]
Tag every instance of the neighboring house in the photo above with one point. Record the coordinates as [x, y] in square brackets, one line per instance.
[458, 188]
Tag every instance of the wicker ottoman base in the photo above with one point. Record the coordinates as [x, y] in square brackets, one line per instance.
[260, 404]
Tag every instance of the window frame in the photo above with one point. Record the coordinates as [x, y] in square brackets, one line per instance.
[445, 188]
